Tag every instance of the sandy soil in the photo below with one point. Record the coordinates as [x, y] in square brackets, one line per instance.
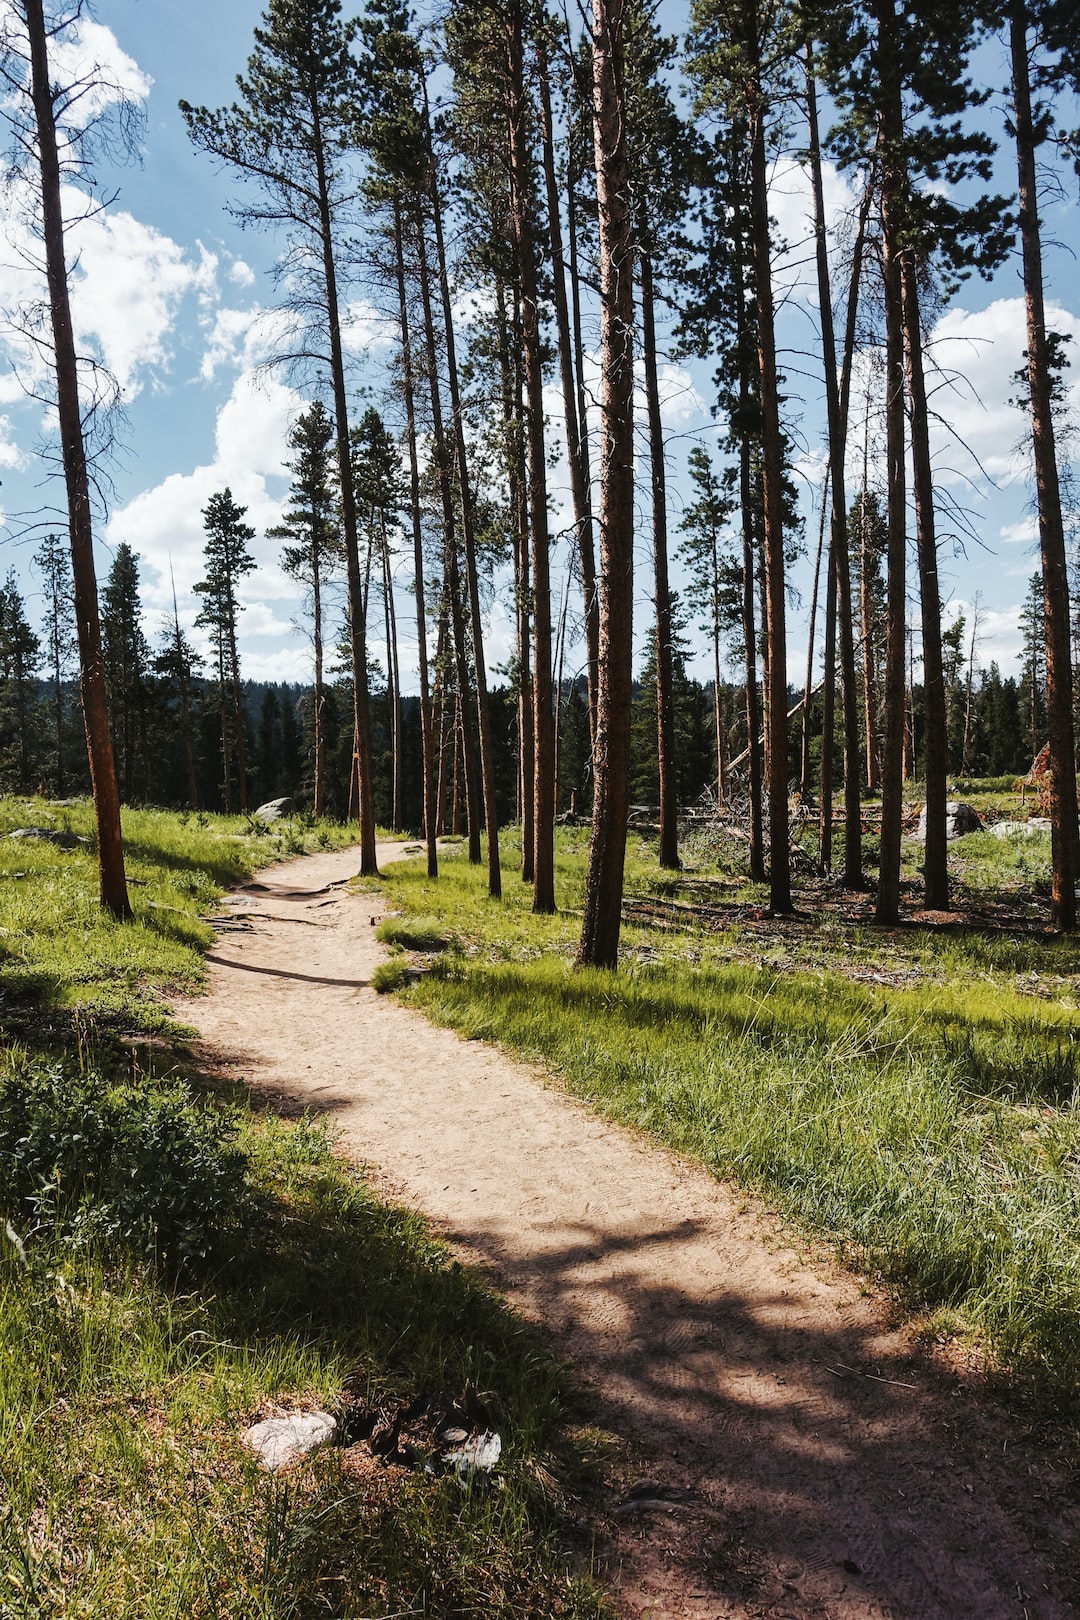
[823, 1465]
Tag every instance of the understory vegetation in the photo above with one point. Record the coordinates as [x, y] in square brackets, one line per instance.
[175, 1265]
[909, 1094]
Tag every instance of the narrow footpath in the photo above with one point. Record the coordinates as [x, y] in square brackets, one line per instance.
[823, 1465]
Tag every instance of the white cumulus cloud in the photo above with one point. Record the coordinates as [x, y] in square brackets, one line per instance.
[164, 525]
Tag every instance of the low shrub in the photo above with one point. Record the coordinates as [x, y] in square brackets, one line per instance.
[139, 1167]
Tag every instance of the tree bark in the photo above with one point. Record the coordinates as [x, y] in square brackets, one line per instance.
[510, 366]
[591, 603]
[318, 697]
[935, 715]
[576, 444]
[750, 668]
[1064, 837]
[665, 695]
[357, 617]
[451, 570]
[112, 879]
[837, 398]
[887, 910]
[772, 488]
[427, 729]
[808, 688]
[525, 258]
[599, 946]
[468, 534]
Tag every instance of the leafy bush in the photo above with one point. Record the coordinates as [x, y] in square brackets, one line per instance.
[87, 1160]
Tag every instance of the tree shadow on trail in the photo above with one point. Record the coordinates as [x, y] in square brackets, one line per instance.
[851, 1479]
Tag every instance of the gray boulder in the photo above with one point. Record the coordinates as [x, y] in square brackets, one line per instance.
[275, 810]
[960, 819]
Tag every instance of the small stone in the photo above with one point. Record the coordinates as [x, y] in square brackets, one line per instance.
[275, 810]
[278, 1441]
[476, 1456]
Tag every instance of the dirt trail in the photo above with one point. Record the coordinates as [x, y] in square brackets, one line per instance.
[829, 1469]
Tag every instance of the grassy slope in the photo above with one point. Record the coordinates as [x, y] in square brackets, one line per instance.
[125, 1492]
[911, 1095]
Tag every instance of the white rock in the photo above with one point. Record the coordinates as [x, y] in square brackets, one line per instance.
[280, 1440]
[1021, 829]
[275, 810]
[476, 1456]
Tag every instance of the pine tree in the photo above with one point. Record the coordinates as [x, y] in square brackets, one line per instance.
[126, 655]
[53, 564]
[1033, 126]
[37, 99]
[289, 135]
[20, 657]
[313, 549]
[742, 62]
[715, 589]
[176, 666]
[1033, 682]
[227, 561]
[380, 496]
[599, 945]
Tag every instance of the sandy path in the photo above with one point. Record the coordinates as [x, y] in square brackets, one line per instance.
[750, 1379]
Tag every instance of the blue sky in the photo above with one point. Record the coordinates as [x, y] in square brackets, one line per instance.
[170, 291]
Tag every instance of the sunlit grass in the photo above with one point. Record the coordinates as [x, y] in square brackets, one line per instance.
[927, 1123]
[59, 948]
[125, 1489]
[130, 1361]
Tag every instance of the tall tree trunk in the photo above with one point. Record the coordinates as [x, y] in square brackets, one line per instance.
[935, 714]
[369, 866]
[1063, 818]
[772, 468]
[393, 685]
[452, 571]
[591, 603]
[510, 370]
[226, 752]
[828, 720]
[837, 400]
[576, 446]
[665, 694]
[602, 918]
[893, 179]
[808, 687]
[427, 729]
[969, 687]
[238, 712]
[318, 696]
[750, 670]
[468, 534]
[442, 664]
[525, 257]
[112, 879]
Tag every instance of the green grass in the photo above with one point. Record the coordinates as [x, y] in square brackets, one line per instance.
[925, 1117]
[125, 1490]
[176, 1263]
[59, 949]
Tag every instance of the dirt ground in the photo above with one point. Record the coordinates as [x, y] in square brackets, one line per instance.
[809, 1459]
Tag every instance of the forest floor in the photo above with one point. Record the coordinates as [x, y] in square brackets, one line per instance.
[768, 1437]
